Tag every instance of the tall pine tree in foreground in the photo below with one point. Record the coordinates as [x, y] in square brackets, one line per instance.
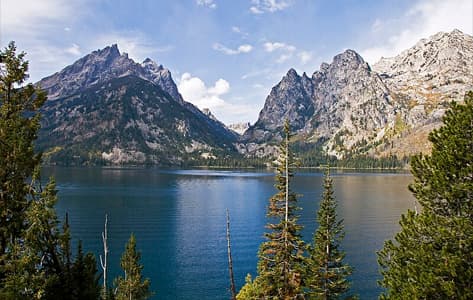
[432, 256]
[281, 258]
[132, 285]
[19, 124]
[327, 274]
[35, 258]
[31, 260]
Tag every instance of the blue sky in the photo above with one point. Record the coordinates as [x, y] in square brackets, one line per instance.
[224, 54]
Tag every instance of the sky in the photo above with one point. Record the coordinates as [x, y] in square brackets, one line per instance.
[225, 55]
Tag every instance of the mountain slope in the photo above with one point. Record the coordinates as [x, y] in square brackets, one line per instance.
[107, 108]
[424, 79]
[350, 108]
[341, 104]
[125, 120]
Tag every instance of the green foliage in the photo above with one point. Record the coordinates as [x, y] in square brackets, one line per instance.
[19, 123]
[132, 285]
[35, 258]
[327, 275]
[281, 255]
[251, 289]
[432, 255]
[85, 281]
[35, 263]
[443, 180]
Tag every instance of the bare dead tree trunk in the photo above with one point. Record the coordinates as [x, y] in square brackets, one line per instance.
[103, 262]
[230, 261]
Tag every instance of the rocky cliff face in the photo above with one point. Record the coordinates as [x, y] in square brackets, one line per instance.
[423, 80]
[103, 65]
[239, 128]
[341, 103]
[352, 108]
[107, 108]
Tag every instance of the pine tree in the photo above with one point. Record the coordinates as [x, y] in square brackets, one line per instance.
[432, 255]
[327, 274]
[281, 255]
[35, 260]
[35, 267]
[19, 123]
[85, 280]
[251, 290]
[132, 285]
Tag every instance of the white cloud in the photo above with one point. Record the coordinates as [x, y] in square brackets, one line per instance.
[245, 48]
[287, 52]
[239, 31]
[377, 25]
[236, 29]
[271, 47]
[74, 50]
[32, 24]
[284, 57]
[207, 3]
[221, 87]
[423, 19]
[194, 90]
[21, 15]
[305, 57]
[262, 6]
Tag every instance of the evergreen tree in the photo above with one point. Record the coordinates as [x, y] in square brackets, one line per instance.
[85, 278]
[251, 290]
[432, 255]
[132, 285]
[35, 267]
[327, 275]
[19, 123]
[281, 255]
[35, 260]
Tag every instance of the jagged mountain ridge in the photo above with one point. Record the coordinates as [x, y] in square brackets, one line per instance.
[106, 107]
[102, 65]
[352, 108]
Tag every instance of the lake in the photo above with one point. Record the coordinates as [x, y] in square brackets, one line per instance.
[178, 217]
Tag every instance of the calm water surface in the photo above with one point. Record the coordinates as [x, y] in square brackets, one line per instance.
[178, 217]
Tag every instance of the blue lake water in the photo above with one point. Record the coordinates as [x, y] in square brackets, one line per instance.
[178, 217]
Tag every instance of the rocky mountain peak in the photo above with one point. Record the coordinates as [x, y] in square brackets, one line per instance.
[348, 56]
[343, 97]
[109, 52]
[435, 70]
[161, 76]
[150, 64]
[440, 51]
[96, 67]
[101, 66]
[292, 74]
[346, 61]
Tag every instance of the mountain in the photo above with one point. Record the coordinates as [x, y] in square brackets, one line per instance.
[239, 128]
[337, 105]
[423, 80]
[105, 108]
[348, 107]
